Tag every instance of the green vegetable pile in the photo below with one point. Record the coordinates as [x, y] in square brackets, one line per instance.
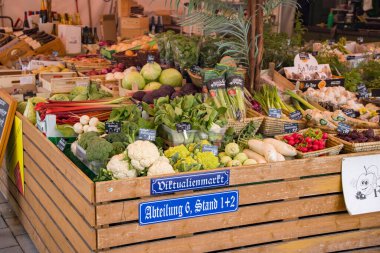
[186, 51]
[81, 93]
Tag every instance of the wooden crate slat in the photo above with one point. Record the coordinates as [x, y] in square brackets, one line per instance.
[86, 209]
[249, 215]
[325, 243]
[252, 235]
[81, 182]
[32, 172]
[68, 229]
[33, 234]
[39, 220]
[128, 210]
[140, 187]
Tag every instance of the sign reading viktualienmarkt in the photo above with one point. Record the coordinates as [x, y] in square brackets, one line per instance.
[189, 182]
[361, 184]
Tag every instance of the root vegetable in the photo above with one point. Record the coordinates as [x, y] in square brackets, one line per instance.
[249, 162]
[270, 153]
[78, 128]
[84, 120]
[85, 128]
[253, 155]
[93, 122]
[281, 147]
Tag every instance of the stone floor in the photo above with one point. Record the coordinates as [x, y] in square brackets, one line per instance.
[13, 237]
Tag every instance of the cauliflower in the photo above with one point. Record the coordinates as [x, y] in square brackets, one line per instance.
[181, 150]
[160, 166]
[142, 154]
[119, 167]
[208, 160]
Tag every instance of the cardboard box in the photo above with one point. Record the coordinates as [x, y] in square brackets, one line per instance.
[108, 24]
[134, 23]
[71, 37]
[132, 33]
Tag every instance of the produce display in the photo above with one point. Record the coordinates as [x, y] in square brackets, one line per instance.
[163, 123]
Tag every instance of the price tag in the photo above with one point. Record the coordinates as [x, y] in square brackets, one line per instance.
[304, 56]
[290, 128]
[360, 40]
[210, 148]
[184, 126]
[147, 134]
[362, 91]
[350, 113]
[61, 144]
[275, 113]
[113, 127]
[150, 58]
[296, 115]
[343, 128]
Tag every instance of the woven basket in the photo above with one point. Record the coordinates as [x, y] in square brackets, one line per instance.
[251, 116]
[195, 79]
[332, 148]
[273, 126]
[349, 147]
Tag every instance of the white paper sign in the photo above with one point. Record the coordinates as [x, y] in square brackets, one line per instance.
[361, 184]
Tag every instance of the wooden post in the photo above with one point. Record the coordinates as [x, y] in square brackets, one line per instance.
[252, 5]
[259, 25]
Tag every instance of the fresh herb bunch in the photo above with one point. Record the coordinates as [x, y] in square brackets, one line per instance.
[370, 72]
[352, 79]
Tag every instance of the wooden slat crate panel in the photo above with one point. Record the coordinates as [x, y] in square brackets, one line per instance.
[248, 215]
[85, 208]
[326, 243]
[32, 174]
[77, 232]
[77, 178]
[140, 187]
[128, 210]
[271, 232]
[28, 215]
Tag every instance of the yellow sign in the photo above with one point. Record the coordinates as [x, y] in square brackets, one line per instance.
[15, 155]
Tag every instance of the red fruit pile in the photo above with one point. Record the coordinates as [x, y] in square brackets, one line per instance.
[311, 140]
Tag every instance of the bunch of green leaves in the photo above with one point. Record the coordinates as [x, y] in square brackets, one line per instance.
[125, 113]
[352, 79]
[186, 109]
[95, 92]
[103, 175]
[186, 51]
[337, 67]
[299, 31]
[370, 72]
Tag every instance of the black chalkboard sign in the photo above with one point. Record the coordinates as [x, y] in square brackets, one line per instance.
[8, 107]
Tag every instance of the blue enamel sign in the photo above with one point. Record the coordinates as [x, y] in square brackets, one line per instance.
[188, 207]
[189, 182]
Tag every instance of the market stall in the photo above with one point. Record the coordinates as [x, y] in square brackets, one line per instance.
[174, 142]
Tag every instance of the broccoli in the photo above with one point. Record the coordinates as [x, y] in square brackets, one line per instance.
[208, 160]
[86, 138]
[98, 149]
[118, 148]
[117, 137]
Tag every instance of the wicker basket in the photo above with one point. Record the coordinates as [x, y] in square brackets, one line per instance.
[332, 148]
[195, 79]
[251, 116]
[349, 147]
[273, 126]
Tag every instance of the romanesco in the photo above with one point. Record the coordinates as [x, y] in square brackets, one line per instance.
[208, 160]
[187, 164]
[181, 151]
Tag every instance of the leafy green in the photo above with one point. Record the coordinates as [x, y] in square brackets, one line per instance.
[352, 79]
[103, 175]
[370, 73]
[95, 92]
[125, 113]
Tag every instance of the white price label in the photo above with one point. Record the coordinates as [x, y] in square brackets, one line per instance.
[26, 80]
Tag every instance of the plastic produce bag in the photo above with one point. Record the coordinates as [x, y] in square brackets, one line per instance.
[186, 52]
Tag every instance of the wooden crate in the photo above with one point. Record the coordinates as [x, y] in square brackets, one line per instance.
[291, 206]
[62, 82]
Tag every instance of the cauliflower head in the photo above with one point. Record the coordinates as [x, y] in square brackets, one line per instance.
[142, 154]
[160, 166]
[120, 168]
[180, 150]
[208, 160]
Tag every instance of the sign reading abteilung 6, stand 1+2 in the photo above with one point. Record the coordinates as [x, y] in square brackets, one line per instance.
[189, 182]
[188, 207]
